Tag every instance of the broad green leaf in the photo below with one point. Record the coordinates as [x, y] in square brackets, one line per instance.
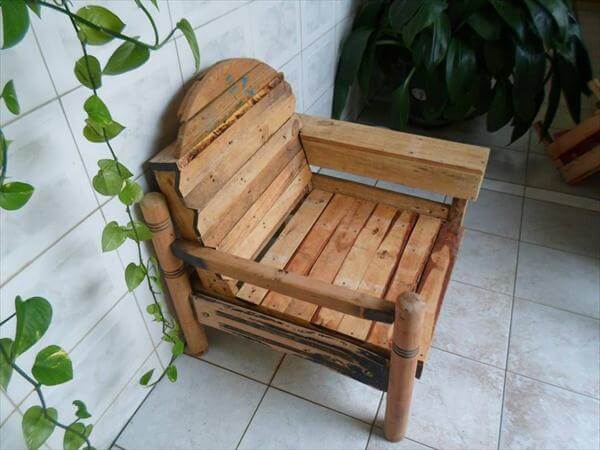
[369, 14]
[366, 72]
[142, 231]
[126, 57]
[423, 18]
[112, 165]
[543, 22]
[97, 111]
[36, 427]
[14, 195]
[401, 11]
[499, 57]
[131, 193]
[350, 59]
[190, 37]
[81, 410]
[171, 373]
[431, 45]
[87, 70]
[500, 111]
[15, 22]
[93, 134]
[134, 275]
[146, 377]
[35, 7]
[553, 101]
[401, 104]
[52, 366]
[461, 66]
[512, 16]
[178, 348]
[530, 66]
[583, 64]
[107, 183]
[569, 81]
[459, 9]
[33, 319]
[73, 438]
[485, 24]
[560, 13]
[5, 367]
[113, 236]
[101, 17]
[10, 97]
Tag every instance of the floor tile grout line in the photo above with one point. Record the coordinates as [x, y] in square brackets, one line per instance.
[512, 308]
[374, 420]
[252, 416]
[564, 388]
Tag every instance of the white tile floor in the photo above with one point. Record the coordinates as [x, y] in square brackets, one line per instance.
[516, 356]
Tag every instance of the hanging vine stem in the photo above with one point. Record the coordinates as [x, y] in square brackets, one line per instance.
[38, 389]
[74, 18]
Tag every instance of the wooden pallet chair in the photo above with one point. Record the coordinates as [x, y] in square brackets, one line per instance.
[343, 274]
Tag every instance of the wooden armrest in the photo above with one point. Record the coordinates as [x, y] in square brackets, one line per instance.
[303, 288]
[421, 162]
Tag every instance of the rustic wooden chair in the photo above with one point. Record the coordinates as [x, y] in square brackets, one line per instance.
[343, 274]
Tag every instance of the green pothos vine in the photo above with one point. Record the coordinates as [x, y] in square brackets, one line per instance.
[92, 26]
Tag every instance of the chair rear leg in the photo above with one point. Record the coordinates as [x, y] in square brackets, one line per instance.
[156, 214]
[408, 321]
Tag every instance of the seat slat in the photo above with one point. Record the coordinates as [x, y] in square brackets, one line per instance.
[407, 274]
[288, 241]
[380, 271]
[311, 247]
[228, 205]
[332, 257]
[357, 261]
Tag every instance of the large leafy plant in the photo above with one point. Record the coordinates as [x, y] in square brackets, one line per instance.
[443, 61]
[92, 26]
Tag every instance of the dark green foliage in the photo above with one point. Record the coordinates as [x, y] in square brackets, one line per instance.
[441, 61]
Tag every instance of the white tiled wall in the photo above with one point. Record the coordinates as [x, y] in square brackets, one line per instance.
[52, 247]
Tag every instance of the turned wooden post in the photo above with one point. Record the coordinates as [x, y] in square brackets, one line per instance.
[408, 321]
[156, 214]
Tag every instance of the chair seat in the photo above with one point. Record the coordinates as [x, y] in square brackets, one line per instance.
[371, 247]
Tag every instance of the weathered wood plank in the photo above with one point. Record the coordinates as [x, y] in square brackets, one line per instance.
[338, 354]
[288, 241]
[410, 268]
[435, 278]
[183, 216]
[212, 84]
[357, 261]
[395, 199]
[380, 271]
[218, 114]
[313, 291]
[332, 257]
[223, 211]
[311, 247]
[432, 164]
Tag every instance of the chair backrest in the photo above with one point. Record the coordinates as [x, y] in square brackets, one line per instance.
[239, 168]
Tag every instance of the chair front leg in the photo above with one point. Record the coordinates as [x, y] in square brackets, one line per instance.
[408, 325]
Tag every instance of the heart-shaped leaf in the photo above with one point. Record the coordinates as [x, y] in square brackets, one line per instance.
[10, 97]
[52, 366]
[15, 22]
[128, 56]
[131, 193]
[87, 71]
[97, 111]
[107, 182]
[15, 195]
[102, 17]
[137, 230]
[113, 236]
[134, 275]
[33, 319]
[36, 427]
[96, 133]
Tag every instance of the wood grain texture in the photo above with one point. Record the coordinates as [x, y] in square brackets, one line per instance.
[313, 291]
[332, 257]
[311, 247]
[357, 261]
[338, 354]
[197, 132]
[435, 165]
[183, 216]
[375, 194]
[282, 250]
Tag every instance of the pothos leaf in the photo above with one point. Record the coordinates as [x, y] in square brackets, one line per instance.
[36, 427]
[102, 17]
[81, 410]
[87, 71]
[137, 230]
[52, 366]
[171, 373]
[33, 319]
[128, 56]
[15, 22]
[113, 236]
[5, 366]
[10, 97]
[15, 195]
[131, 193]
[190, 37]
[134, 275]
[146, 377]
[73, 438]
